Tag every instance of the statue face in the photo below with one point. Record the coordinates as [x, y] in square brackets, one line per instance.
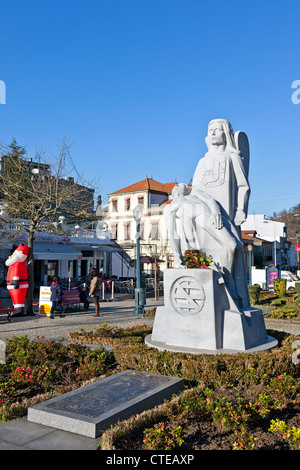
[216, 134]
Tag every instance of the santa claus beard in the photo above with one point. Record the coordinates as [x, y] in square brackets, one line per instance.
[16, 257]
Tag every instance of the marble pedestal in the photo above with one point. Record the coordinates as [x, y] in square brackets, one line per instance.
[199, 316]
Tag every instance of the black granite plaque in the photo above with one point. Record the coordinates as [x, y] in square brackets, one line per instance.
[110, 394]
[92, 409]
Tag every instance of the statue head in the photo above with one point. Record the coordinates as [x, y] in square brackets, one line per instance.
[180, 189]
[220, 133]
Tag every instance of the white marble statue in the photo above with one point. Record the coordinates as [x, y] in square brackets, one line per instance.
[208, 217]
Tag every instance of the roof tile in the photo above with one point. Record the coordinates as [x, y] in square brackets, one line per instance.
[147, 184]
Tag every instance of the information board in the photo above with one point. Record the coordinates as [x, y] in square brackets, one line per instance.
[44, 300]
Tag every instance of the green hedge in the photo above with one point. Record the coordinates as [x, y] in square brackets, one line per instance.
[131, 352]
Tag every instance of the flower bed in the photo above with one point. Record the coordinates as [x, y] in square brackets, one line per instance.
[214, 418]
[244, 401]
[274, 306]
[230, 401]
[39, 369]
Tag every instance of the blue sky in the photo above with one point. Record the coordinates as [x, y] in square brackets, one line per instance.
[133, 84]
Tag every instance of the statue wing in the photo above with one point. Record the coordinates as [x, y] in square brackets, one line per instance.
[242, 144]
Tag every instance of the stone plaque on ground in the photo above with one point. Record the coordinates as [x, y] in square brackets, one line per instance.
[92, 409]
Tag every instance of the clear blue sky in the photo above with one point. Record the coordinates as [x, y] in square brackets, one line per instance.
[134, 83]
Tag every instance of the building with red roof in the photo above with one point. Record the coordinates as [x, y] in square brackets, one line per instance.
[153, 196]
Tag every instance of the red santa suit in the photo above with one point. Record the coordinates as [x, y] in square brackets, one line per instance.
[17, 278]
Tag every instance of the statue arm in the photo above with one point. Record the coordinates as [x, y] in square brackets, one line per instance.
[174, 206]
[243, 190]
[216, 216]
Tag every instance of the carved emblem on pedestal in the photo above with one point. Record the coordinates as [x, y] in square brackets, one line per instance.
[187, 296]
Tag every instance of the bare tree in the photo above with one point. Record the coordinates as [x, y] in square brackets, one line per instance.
[291, 218]
[42, 191]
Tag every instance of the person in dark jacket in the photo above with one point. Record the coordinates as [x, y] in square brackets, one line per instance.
[83, 295]
[56, 295]
[95, 289]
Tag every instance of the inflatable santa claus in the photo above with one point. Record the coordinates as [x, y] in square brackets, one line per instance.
[17, 279]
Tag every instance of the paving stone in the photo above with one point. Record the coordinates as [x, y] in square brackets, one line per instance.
[61, 440]
[19, 431]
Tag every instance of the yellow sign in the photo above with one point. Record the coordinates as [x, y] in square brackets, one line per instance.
[44, 300]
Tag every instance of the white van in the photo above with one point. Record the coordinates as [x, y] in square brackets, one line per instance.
[291, 279]
[258, 276]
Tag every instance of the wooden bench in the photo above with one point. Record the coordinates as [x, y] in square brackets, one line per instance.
[71, 297]
[5, 310]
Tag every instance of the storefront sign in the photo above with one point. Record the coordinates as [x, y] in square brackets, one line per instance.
[44, 300]
[297, 247]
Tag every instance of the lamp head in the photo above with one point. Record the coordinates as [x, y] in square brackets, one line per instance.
[138, 212]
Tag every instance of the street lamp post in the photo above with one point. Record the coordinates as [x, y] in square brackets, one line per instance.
[274, 242]
[140, 293]
[297, 235]
[250, 263]
[297, 241]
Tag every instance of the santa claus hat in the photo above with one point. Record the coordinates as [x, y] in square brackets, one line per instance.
[23, 249]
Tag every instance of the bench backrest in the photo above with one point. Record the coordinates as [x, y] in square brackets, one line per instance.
[70, 293]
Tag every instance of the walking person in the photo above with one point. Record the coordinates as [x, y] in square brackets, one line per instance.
[95, 289]
[56, 296]
[83, 295]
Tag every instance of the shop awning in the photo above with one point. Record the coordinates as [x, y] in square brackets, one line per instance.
[101, 248]
[50, 251]
[6, 246]
[110, 249]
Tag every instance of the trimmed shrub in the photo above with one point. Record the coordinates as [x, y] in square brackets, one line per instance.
[279, 286]
[297, 286]
[254, 292]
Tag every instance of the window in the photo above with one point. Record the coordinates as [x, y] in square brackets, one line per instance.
[114, 231]
[141, 200]
[115, 205]
[127, 204]
[127, 231]
[154, 230]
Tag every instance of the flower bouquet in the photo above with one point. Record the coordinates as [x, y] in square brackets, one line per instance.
[196, 259]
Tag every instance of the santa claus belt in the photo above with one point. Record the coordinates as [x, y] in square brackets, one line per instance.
[20, 280]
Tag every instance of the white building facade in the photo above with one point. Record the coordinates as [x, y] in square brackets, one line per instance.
[275, 232]
[152, 196]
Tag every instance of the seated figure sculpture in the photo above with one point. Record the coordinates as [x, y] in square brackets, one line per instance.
[209, 216]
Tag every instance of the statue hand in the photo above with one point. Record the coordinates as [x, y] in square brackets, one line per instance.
[174, 207]
[239, 217]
